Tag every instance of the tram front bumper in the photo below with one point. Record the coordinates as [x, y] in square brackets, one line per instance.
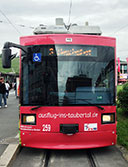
[79, 140]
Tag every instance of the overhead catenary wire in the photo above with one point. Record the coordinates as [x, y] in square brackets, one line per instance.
[20, 25]
[70, 9]
[121, 28]
[10, 22]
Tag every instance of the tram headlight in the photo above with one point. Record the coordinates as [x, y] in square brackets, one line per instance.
[108, 118]
[28, 119]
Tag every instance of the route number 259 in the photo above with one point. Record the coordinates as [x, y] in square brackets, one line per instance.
[46, 127]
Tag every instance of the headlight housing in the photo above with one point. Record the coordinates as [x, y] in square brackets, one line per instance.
[28, 119]
[108, 118]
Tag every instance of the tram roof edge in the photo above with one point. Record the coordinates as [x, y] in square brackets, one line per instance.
[63, 29]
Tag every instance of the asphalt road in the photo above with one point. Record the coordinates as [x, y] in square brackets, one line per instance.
[9, 118]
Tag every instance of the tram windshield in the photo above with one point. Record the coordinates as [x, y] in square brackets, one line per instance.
[68, 75]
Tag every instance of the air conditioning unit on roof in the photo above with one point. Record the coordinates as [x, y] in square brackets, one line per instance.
[61, 28]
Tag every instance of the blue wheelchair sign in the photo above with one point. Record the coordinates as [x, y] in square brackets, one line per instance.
[36, 57]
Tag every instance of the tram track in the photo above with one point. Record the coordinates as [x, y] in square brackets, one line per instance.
[31, 157]
[49, 162]
[46, 158]
[91, 158]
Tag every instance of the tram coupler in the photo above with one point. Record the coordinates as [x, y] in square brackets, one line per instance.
[69, 128]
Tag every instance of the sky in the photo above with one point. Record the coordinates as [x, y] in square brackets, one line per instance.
[19, 17]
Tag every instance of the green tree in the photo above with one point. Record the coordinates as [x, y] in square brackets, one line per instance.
[123, 98]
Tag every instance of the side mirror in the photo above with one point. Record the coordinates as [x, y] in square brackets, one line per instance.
[6, 58]
[6, 53]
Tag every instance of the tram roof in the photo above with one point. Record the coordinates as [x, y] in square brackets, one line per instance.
[61, 28]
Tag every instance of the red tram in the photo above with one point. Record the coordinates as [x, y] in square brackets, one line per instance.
[67, 88]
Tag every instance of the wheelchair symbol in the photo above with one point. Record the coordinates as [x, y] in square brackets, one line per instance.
[37, 57]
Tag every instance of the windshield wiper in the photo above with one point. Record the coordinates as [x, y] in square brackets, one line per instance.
[86, 100]
[102, 108]
[34, 108]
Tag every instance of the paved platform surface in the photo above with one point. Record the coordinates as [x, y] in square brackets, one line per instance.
[9, 118]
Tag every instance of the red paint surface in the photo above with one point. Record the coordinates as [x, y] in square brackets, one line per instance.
[61, 39]
[34, 136]
[63, 141]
